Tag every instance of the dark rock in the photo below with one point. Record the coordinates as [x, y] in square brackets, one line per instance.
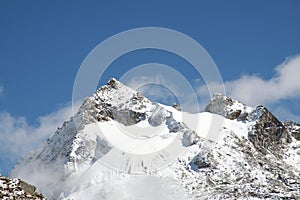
[293, 128]
[27, 187]
[199, 163]
[18, 189]
[219, 105]
[112, 82]
[223, 105]
[127, 117]
[158, 116]
[268, 133]
[234, 114]
[176, 106]
[243, 116]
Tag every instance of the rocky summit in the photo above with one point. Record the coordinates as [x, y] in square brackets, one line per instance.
[120, 145]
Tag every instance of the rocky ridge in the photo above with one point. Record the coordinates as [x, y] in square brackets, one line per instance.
[269, 147]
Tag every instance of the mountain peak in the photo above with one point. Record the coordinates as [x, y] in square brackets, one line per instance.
[118, 133]
[113, 82]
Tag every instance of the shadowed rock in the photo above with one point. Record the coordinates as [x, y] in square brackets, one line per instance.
[268, 133]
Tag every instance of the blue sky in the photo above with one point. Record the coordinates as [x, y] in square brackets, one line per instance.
[43, 43]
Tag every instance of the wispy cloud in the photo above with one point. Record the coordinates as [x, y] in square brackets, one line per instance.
[166, 89]
[154, 88]
[18, 138]
[1, 90]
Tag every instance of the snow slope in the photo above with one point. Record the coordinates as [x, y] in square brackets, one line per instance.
[120, 145]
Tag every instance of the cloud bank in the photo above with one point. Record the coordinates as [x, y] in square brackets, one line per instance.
[18, 138]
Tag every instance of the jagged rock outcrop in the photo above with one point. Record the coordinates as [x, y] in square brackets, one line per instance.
[235, 169]
[18, 190]
[114, 101]
[227, 107]
[266, 132]
[293, 128]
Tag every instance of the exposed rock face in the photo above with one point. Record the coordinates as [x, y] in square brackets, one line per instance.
[264, 166]
[227, 107]
[158, 116]
[268, 133]
[254, 175]
[126, 108]
[17, 189]
[293, 128]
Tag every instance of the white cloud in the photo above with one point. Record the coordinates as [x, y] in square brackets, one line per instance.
[285, 84]
[18, 138]
[254, 90]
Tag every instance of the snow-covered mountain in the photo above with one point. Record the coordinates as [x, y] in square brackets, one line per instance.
[120, 145]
